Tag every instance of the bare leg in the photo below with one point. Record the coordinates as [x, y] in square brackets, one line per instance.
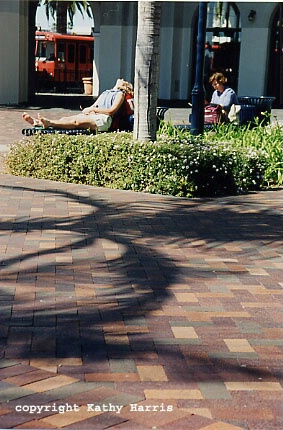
[80, 121]
[30, 119]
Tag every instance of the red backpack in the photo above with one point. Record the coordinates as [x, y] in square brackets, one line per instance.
[213, 114]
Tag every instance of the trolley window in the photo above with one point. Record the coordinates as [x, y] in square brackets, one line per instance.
[71, 53]
[61, 52]
[82, 54]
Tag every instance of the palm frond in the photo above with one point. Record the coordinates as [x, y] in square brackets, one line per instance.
[51, 7]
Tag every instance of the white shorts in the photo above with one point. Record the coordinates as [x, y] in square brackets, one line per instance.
[102, 121]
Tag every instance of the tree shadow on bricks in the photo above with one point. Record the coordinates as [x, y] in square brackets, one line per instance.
[95, 274]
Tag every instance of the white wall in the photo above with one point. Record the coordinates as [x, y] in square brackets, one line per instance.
[23, 53]
[175, 50]
[13, 51]
[116, 55]
[254, 47]
[110, 56]
[165, 66]
[9, 51]
[116, 24]
[117, 46]
[253, 62]
[185, 60]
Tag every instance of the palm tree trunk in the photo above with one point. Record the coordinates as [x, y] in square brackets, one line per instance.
[147, 70]
[61, 12]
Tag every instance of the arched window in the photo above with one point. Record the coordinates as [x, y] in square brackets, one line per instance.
[223, 16]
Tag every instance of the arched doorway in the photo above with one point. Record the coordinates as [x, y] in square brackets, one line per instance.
[223, 38]
[275, 70]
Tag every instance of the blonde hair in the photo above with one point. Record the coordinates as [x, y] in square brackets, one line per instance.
[218, 77]
[128, 87]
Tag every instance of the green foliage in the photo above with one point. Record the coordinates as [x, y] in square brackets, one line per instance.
[228, 160]
[60, 9]
[260, 138]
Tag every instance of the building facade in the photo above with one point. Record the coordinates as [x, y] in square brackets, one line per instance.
[244, 40]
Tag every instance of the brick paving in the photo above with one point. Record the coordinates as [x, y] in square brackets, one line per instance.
[12, 122]
[123, 310]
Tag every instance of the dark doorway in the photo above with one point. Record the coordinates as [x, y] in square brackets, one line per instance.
[275, 70]
[222, 49]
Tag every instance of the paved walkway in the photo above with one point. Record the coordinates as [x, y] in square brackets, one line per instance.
[123, 310]
[11, 118]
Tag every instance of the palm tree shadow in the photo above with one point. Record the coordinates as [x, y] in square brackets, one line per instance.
[111, 269]
[116, 274]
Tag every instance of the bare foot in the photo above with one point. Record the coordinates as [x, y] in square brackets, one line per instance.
[30, 119]
[44, 121]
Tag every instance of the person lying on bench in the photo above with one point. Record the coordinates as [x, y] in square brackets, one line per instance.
[97, 117]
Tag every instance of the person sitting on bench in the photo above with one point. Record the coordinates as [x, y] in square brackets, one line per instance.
[97, 117]
[222, 95]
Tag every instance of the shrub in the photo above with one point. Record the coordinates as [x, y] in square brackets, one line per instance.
[226, 161]
[263, 138]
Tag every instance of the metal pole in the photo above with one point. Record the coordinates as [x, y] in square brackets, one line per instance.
[198, 91]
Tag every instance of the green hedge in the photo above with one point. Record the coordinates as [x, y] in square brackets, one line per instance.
[174, 165]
